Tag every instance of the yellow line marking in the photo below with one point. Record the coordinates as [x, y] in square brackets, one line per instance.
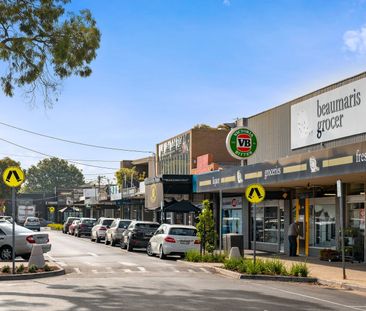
[253, 175]
[338, 161]
[295, 168]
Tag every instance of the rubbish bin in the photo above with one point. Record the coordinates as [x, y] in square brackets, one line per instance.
[233, 240]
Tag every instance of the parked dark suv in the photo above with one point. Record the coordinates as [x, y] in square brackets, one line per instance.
[138, 234]
[67, 223]
[84, 226]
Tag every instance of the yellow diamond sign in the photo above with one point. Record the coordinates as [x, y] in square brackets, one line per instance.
[255, 193]
[13, 176]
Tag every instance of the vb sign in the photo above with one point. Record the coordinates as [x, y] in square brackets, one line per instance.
[13, 176]
[241, 143]
[255, 193]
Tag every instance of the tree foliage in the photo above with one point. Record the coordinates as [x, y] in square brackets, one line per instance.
[41, 44]
[206, 228]
[50, 173]
[5, 191]
[124, 176]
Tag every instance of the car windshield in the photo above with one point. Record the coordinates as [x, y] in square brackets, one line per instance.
[124, 224]
[183, 231]
[32, 220]
[88, 221]
[147, 226]
[107, 222]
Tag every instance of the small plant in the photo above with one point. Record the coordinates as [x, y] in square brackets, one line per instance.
[275, 267]
[193, 256]
[299, 269]
[32, 269]
[58, 227]
[20, 269]
[232, 264]
[5, 269]
[47, 268]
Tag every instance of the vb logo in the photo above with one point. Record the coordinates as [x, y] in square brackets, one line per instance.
[244, 142]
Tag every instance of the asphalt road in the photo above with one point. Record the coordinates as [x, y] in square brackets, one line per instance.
[102, 277]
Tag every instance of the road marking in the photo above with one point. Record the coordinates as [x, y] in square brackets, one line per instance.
[309, 297]
[142, 269]
[191, 271]
[77, 270]
[204, 270]
[92, 254]
[129, 264]
[93, 264]
[95, 271]
[127, 270]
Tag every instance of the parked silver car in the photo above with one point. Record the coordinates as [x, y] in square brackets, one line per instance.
[32, 223]
[114, 233]
[100, 228]
[24, 240]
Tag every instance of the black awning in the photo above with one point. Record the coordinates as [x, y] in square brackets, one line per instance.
[183, 206]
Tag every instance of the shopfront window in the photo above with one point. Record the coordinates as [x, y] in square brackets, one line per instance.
[356, 216]
[266, 223]
[232, 215]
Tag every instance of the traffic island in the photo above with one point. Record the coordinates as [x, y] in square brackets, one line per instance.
[25, 272]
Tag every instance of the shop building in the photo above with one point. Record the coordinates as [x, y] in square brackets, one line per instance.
[303, 147]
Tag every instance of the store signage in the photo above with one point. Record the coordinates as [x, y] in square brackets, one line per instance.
[255, 193]
[241, 143]
[329, 116]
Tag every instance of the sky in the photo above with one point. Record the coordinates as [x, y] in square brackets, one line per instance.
[166, 65]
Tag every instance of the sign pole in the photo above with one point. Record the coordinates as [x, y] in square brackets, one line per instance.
[220, 223]
[13, 237]
[255, 233]
[340, 196]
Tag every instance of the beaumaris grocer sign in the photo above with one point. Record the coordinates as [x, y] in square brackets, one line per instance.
[241, 143]
[329, 116]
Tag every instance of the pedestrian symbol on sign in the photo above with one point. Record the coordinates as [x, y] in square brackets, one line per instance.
[13, 176]
[255, 193]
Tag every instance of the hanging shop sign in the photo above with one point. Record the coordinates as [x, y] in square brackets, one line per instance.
[13, 176]
[332, 115]
[241, 143]
[255, 193]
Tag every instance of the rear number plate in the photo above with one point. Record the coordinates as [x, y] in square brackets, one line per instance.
[184, 242]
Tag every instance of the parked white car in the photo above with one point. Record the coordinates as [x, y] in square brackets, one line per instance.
[173, 240]
[100, 228]
[24, 240]
[114, 233]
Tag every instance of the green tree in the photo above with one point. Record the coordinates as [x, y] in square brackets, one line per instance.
[50, 173]
[125, 174]
[41, 44]
[206, 228]
[5, 191]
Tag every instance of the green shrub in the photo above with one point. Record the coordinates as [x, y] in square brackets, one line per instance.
[232, 264]
[58, 227]
[299, 269]
[5, 269]
[275, 267]
[193, 256]
[32, 269]
[243, 266]
[258, 268]
[47, 267]
[20, 269]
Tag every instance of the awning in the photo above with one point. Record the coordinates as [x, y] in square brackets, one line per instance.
[183, 206]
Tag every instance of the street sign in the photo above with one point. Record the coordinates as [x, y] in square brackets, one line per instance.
[51, 209]
[13, 176]
[255, 193]
[241, 143]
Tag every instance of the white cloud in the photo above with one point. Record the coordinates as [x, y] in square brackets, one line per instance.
[226, 2]
[355, 40]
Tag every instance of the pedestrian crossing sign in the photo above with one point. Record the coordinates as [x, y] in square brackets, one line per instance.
[13, 176]
[255, 193]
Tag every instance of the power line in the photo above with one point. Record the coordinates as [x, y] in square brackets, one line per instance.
[51, 156]
[76, 142]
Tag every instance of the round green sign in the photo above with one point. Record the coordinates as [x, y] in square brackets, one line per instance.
[241, 143]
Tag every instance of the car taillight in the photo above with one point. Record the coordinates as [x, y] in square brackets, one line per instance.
[102, 228]
[197, 242]
[30, 239]
[169, 239]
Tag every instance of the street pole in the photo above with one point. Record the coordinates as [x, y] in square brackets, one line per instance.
[340, 196]
[220, 222]
[255, 233]
[13, 238]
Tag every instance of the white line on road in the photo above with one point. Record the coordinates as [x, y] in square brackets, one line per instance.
[127, 270]
[95, 271]
[142, 269]
[129, 264]
[204, 270]
[93, 254]
[192, 271]
[93, 264]
[77, 270]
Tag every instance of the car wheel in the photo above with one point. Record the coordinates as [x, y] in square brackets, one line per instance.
[161, 252]
[25, 256]
[149, 250]
[91, 237]
[122, 244]
[97, 239]
[6, 253]
[129, 246]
